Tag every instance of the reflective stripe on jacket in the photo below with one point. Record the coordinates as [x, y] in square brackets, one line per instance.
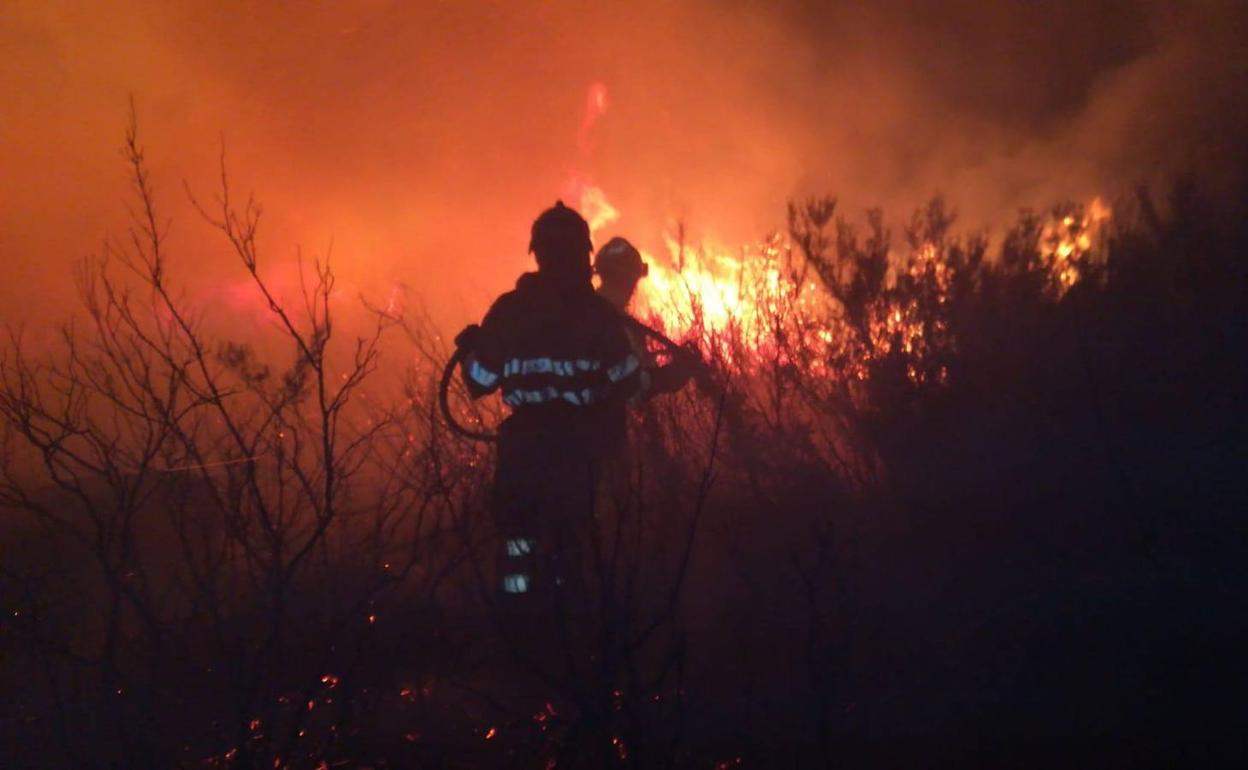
[553, 343]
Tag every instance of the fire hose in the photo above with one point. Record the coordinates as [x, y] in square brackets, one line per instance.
[444, 400]
[461, 352]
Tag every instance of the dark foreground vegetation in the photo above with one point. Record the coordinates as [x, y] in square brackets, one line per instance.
[1006, 529]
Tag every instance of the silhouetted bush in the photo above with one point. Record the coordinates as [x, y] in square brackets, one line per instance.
[958, 500]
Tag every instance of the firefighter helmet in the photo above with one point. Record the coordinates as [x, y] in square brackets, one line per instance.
[620, 259]
[560, 238]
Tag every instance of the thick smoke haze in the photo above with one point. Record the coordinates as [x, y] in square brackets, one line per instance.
[420, 139]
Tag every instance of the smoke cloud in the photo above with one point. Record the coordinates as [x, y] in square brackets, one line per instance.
[420, 139]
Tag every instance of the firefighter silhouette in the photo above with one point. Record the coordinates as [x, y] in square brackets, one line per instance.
[563, 360]
[620, 268]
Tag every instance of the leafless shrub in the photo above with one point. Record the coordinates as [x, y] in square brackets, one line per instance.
[246, 522]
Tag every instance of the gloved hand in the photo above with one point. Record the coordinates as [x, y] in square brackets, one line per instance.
[689, 351]
[686, 363]
[700, 370]
[467, 339]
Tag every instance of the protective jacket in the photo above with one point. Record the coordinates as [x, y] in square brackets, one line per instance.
[551, 344]
[563, 359]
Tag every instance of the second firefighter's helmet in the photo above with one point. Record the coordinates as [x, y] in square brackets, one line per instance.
[620, 260]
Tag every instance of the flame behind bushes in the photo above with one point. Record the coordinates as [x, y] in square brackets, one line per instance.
[836, 306]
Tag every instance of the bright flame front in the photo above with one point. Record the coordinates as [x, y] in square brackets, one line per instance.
[756, 306]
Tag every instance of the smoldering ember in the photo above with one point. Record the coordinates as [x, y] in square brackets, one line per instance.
[623, 385]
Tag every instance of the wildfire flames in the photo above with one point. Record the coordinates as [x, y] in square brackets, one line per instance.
[741, 304]
[1068, 242]
[756, 304]
[706, 292]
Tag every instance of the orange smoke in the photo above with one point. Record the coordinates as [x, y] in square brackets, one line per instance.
[422, 135]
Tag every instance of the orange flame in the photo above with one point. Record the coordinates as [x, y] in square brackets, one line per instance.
[596, 209]
[755, 305]
[1068, 242]
[595, 107]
